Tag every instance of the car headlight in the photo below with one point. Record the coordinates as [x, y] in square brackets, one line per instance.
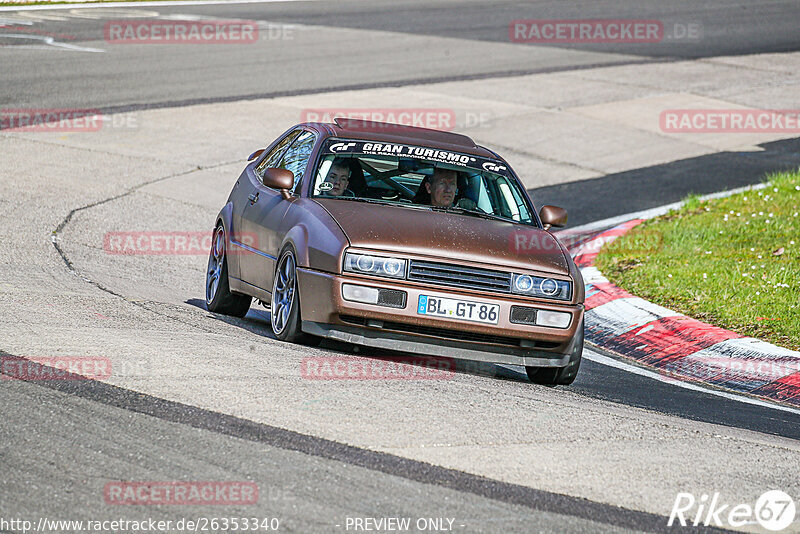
[536, 286]
[375, 265]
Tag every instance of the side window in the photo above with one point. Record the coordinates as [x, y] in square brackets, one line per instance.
[276, 153]
[296, 158]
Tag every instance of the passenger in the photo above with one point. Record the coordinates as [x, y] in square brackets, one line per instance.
[339, 178]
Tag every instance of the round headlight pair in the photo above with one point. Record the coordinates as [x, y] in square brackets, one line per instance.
[547, 286]
[390, 266]
[375, 265]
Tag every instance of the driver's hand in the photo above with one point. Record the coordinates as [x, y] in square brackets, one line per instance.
[466, 203]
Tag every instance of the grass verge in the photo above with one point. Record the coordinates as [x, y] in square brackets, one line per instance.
[732, 262]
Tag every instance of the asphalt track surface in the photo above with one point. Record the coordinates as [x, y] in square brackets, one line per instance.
[144, 77]
[149, 78]
[82, 431]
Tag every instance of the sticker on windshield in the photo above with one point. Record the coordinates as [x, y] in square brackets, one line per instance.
[341, 147]
[493, 167]
[417, 152]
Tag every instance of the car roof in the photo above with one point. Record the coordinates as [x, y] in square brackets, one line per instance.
[397, 133]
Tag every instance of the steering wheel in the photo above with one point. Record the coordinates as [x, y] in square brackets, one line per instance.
[467, 204]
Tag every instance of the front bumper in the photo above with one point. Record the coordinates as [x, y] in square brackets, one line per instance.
[326, 313]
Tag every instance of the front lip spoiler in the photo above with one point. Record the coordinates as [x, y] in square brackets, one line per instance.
[430, 346]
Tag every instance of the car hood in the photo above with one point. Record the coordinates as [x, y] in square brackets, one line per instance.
[447, 236]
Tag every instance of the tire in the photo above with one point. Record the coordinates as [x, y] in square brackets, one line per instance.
[285, 317]
[560, 376]
[219, 298]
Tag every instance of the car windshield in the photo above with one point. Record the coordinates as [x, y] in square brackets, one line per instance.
[418, 177]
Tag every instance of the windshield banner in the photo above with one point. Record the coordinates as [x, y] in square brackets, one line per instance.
[372, 148]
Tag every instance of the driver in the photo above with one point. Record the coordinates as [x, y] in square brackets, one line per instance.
[443, 186]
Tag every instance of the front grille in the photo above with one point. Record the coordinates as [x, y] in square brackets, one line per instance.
[451, 334]
[448, 274]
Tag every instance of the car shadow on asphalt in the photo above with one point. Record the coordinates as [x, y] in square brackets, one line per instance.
[649, 187]
[257, 321]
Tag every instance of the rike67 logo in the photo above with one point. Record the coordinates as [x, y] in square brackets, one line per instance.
[774, 510]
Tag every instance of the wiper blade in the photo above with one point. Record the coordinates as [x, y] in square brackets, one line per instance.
[359, 199]
[382, 202]
[450, 209]
[465, 211]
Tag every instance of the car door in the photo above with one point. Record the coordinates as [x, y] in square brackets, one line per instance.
[266, 209]
[249, 251]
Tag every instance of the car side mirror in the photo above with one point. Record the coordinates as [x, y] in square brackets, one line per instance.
[553, 216]
[280, 179]
[255, 154]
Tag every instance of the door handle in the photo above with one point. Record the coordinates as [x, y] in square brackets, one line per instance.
[253, 198]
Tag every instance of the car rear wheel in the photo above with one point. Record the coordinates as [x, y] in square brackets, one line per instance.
[560, 376]
[219, 298]
[285, 303]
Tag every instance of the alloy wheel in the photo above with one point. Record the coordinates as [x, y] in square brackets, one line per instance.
[283, 289]
[215, 262]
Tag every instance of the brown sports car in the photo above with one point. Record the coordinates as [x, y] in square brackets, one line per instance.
[401, 238]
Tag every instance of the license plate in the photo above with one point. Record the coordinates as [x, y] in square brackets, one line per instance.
[464, 310]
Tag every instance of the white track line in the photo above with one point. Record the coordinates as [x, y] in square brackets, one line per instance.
[605, 223]
[49, 42]
[92, 5]
[612, 362]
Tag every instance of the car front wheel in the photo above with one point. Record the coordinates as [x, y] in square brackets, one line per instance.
[560, 376]
[285, 302]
